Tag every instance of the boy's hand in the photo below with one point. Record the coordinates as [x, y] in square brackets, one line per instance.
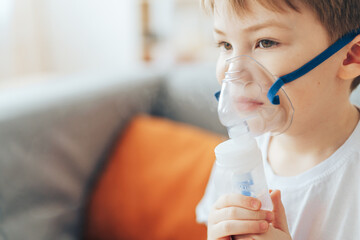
[235, 214]
[278, 229]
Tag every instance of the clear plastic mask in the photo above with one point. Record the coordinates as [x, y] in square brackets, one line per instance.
[244, 100]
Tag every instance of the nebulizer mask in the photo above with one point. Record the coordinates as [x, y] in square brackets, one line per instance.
[243, 103]
[252, 102]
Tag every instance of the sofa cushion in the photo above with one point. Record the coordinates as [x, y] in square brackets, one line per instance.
[153, 182]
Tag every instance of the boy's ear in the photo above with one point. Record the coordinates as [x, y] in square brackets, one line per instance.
[350, 67]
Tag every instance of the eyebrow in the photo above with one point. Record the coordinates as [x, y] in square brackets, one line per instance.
[219, 32]
[257, 27]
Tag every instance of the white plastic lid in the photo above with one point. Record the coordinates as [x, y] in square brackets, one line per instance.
[241, 152]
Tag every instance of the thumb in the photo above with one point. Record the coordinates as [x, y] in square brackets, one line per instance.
[280, 221]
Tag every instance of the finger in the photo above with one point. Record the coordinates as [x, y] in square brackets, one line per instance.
[241, 237]
[236, 227]
[280, 221]
[237, 213]
[237, 200]
[225, 238]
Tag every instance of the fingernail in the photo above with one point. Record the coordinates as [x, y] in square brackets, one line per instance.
[255, 204]
[264, 226]
[269, 216]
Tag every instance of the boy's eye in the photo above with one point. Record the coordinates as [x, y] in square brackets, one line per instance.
[266, 43]
[225, 45]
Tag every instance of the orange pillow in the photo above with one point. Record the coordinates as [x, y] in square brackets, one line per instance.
[153, 182]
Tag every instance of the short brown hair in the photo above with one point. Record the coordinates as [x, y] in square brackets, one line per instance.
[337, 16]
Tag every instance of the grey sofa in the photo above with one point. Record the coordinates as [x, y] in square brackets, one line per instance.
[55, 138]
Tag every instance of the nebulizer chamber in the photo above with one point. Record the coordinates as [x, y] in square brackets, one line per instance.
[239, 169]
[246, 112]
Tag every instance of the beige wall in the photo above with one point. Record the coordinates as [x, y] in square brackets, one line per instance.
[66, 36]
[91, 34]
[19, 45]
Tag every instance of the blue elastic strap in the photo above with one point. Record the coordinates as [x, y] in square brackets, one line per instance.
[339, 44]
[217, 95]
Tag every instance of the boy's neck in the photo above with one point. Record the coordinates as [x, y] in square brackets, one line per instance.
[293, 154]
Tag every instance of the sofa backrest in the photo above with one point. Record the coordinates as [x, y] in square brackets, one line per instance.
[54, 137]
[187, 96]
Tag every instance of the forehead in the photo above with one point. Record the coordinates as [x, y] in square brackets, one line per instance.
[227, 16]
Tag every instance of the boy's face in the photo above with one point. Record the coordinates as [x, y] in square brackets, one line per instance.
[283, 42]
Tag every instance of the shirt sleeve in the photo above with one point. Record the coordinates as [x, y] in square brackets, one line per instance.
[208, 200]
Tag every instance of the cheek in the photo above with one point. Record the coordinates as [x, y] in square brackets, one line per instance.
[315, 87]
[281, 61]
[305, 93]
[298, 95]
[280, 66]
[220, 69]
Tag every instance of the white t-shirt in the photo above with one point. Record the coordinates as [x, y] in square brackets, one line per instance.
[322, 203]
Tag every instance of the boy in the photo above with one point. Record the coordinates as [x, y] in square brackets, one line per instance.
[316, 161]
